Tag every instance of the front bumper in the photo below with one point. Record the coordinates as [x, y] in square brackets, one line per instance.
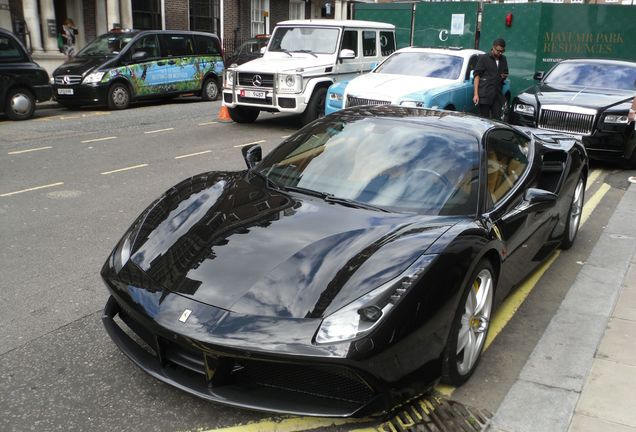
[286, 102]
[82, 94]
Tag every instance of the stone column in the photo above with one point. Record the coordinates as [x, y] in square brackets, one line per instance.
[47, 18]
[126, 14]
[30, 11]
[112, 13]
[100, 17]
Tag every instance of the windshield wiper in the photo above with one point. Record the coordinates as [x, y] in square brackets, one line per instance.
[353, 203]
[306, 191]
[305, 52]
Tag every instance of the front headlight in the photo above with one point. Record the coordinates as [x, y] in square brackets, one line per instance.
[229, 78]
[411, 104]
[524, 109]
[616, 119]
[362, 315]
[122, 253]
[336, 97]
[93, 78]
[52, 80]
[290, 83]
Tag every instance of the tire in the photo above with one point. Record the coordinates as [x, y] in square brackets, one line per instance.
[118, 96]
[20, 104]
[574, 215]
[244, 115]
[210, 90]
[316, 107]
[470, 327]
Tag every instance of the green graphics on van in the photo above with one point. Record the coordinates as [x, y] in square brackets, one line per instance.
[160, 77]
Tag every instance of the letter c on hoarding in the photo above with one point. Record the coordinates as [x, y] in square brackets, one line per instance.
[443, 35]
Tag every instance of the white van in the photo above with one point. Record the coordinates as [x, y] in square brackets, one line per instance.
[303, 58]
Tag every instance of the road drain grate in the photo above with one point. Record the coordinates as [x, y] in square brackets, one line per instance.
[436, 414]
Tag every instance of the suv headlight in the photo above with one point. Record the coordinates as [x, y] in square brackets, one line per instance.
[362, 315]
[94, 77]
[524, 109]
[229, 78]
[616, 119]
[290, 83]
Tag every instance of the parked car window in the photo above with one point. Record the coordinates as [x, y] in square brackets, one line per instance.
[106, 45]
[177, 45]
[507, 154]
[207, 45]
[9, 50]
[387, 42]
[383, 162]
[592, 75]
[307, 39]
[147, 44]
[369, 48]
[422, 64]
[350, 41]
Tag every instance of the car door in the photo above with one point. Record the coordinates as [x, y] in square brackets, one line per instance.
[182, 63]
[509, 174]
[147, 73]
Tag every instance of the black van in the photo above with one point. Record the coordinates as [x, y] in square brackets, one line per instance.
[22, 81]
[125, 65]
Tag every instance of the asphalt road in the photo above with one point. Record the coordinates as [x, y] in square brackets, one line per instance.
[71, 182]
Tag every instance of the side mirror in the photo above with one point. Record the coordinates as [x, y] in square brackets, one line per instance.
[262, 50]
[139, 55]
[534, 200]
[538, 76]
[347, 54]
[252, 154]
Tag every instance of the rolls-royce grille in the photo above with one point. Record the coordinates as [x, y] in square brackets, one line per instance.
[562, 121]
[68, 79]
[355, 101]
[251, 79]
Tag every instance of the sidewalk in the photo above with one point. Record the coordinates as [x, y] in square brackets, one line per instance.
[581, 376]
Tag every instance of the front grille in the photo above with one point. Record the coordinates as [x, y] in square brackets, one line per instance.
[266, 101]
[68, 79]
[249, 78]
[182, 356]
[565, 121]
[355, 101]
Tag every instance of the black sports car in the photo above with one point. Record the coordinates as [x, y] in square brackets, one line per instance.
[589, 98]
[366, 251]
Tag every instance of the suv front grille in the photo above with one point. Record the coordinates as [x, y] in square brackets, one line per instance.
[355, 101]
[580, 123]
[68, 79]
[250, 79]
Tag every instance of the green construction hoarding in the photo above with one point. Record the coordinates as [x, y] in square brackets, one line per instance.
[398, 14]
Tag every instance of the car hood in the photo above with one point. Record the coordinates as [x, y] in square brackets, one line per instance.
[391, 87]
[80, 65]
[228, 241]
[281, 62]
[577, 96]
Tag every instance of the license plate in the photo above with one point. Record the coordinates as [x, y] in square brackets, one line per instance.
[65, 91]
[253, 94]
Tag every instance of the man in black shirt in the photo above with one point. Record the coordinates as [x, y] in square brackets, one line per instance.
[490, 73]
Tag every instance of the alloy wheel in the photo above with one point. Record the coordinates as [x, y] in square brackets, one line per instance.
[576, 210]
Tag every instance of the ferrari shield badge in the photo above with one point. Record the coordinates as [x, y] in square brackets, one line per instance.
[184, 316]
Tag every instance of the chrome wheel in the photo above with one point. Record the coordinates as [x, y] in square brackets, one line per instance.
[211, 90]
[576, 209]
[119, 97]
[21, 104]
[474, 322]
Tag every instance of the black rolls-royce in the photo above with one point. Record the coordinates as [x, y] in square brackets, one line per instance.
[589, 98]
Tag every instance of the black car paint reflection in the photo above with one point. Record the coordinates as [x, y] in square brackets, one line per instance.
[236, 281]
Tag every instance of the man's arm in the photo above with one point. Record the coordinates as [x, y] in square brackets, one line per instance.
[476, 90]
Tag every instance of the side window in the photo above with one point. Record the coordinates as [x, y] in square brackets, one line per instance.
[472, 62]
[176, 45]
[207, 45]
[387, 42]
[507, 154]
[369, 48]
[148, 44]
[9, 50]
[350, 41]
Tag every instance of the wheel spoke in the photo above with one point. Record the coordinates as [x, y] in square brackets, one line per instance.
[464, 336]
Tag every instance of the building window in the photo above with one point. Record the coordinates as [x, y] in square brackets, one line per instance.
[296, 9]
[259, 7]
[146, 14]
[205, 16]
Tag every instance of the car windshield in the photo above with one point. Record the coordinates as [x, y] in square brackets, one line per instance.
[315, 40]
[106, 45]
[422, 64]
[593, 75]
[389, 163]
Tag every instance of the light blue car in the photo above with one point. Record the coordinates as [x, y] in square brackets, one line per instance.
[414, 77]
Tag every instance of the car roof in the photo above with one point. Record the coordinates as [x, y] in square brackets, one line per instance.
[459, 122]
[459, 52]
[135, 32]
[337, 23]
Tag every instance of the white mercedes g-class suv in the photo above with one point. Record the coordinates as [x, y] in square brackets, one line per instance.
[303, 58]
